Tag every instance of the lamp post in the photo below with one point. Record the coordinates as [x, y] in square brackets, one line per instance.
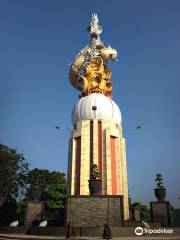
[107, 230]
[70, 226]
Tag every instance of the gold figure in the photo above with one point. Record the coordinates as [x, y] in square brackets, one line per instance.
[88, 72]
[95, 77]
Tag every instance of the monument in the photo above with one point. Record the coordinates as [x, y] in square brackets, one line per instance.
[97, 152]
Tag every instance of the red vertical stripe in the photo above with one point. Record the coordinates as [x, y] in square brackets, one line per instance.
[113, 167]
[78, 166]
[100, 148]
[91, 145]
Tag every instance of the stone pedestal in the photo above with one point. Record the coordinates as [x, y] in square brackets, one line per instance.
[161, 212]
[34, 211]
[93, 211]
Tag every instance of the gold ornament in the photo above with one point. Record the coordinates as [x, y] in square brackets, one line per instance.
[95, 77]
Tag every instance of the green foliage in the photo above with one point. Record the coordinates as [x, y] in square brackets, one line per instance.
[94, 172]
[38, 177]
[159, 180]
[55, 190]
[16, 180]
[13, 173]
[51, 184]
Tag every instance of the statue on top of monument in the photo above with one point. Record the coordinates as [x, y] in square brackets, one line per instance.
[89, 72]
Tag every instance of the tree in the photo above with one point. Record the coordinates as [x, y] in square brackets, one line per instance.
[51, 184]
[37, 178]
[13, 173]
[55, 190]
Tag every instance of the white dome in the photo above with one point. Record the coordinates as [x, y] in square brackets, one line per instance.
[106, 109]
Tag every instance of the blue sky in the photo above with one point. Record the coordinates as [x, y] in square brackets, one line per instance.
[38, 39]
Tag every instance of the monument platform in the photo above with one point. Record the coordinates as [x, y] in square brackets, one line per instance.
[95, 211]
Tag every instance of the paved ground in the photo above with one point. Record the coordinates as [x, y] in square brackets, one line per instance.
[30, 237]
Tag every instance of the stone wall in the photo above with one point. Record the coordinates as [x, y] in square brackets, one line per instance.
[91, 211]
[175, 217]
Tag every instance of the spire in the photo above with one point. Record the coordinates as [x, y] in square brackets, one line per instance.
[94, 28]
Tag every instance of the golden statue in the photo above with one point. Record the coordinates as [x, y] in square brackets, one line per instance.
[89, 72]
[96, 77]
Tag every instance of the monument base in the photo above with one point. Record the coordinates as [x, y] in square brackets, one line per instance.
[34, 211]
[95, 211]
[161, 212]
